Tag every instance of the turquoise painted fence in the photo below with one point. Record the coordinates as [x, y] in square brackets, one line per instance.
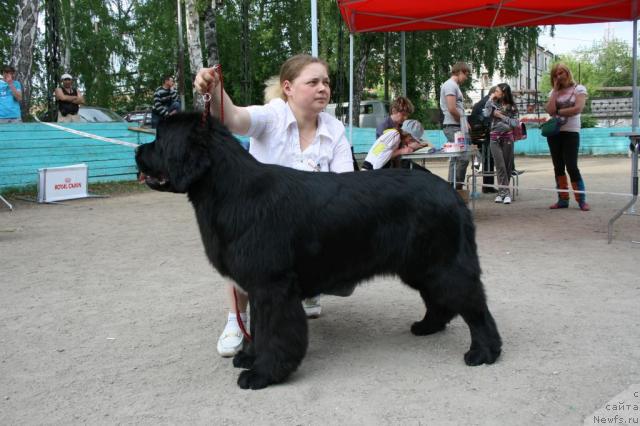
[25, 148]
[596, 141]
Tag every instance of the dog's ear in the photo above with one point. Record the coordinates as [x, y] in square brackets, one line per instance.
[186, 153]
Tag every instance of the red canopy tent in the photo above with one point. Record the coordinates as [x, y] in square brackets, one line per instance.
[425, 15]
[416, 15]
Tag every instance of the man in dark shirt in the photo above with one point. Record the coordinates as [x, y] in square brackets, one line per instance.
[165, 101]
[69, 100]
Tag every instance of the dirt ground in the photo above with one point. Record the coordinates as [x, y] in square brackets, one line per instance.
[110, 313]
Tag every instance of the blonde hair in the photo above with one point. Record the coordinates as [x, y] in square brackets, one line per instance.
[563, 67]
[289, 70]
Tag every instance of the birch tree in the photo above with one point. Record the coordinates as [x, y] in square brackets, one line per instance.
[24, 39]
[194, 47]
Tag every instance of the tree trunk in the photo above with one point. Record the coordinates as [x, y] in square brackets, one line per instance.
[361, 68]
[24, 38]
[246, 54]
[52, 55]
[68, 31]
[195, 50]
[211, 36]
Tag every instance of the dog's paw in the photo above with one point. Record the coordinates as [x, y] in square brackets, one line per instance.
[243, 360]
[424, 328]
[479, 356]
[250, 379]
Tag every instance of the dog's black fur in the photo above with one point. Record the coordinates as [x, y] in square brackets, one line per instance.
[283, 235]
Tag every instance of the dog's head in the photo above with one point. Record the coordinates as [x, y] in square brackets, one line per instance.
[179, 156]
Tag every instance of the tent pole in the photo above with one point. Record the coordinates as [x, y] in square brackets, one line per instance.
[634, 83]
[351, 88]
[404, 64]
[314, 28]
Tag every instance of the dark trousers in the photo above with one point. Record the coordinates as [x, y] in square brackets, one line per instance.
[487, 165]
[155, 118]
[564, 154]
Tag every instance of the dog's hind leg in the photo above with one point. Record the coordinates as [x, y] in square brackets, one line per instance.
[280, 336]
[486, 343]
[459, 292]
[435, 319]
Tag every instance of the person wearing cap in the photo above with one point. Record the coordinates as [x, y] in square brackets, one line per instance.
[10, 97]
[69, 100]
[394, 143]
[401, 109]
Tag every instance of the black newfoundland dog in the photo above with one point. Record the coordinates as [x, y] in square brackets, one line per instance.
[283, 235]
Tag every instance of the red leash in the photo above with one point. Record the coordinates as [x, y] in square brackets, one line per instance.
[245, 333]
[207, 110]
[207, 96]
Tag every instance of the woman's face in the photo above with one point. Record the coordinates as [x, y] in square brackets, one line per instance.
[561, 77]
[498, 93]
[310, 90]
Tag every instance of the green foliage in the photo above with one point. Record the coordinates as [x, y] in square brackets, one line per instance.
[588, 121]
[7, 24]
[120, 49]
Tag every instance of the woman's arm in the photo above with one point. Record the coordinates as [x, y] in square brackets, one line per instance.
[236, 118]
[581, 99]
[488, 108]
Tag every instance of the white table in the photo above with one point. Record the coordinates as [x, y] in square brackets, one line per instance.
[472, 152]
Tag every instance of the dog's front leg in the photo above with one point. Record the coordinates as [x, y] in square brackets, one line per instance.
[246, 357]
[280, 335]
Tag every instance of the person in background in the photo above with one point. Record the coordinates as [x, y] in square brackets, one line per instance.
[69, 100]
[394, 143]
[165, 101]
[10, 97]
[290, 130]
[451, 105]
[566, 102]
[504, 118]
[480, 129]
[401, 109]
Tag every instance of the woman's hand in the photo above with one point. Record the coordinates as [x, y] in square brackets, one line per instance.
[499, 115]
[207, 80]
[403, 150]
[415, 145]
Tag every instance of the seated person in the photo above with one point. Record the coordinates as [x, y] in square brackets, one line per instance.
[401, 109]
[395, 143]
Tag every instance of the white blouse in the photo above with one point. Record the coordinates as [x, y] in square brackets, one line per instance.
[567, 97]
[275, 140]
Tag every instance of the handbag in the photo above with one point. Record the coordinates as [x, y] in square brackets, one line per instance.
[551, 127]
[519, 132]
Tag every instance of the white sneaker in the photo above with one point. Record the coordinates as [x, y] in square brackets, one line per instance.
[231, 339]
[312, 307]
[507, 200]
[498, 198]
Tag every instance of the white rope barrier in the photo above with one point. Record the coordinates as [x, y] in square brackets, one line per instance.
[89, 135]
[518, 188]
